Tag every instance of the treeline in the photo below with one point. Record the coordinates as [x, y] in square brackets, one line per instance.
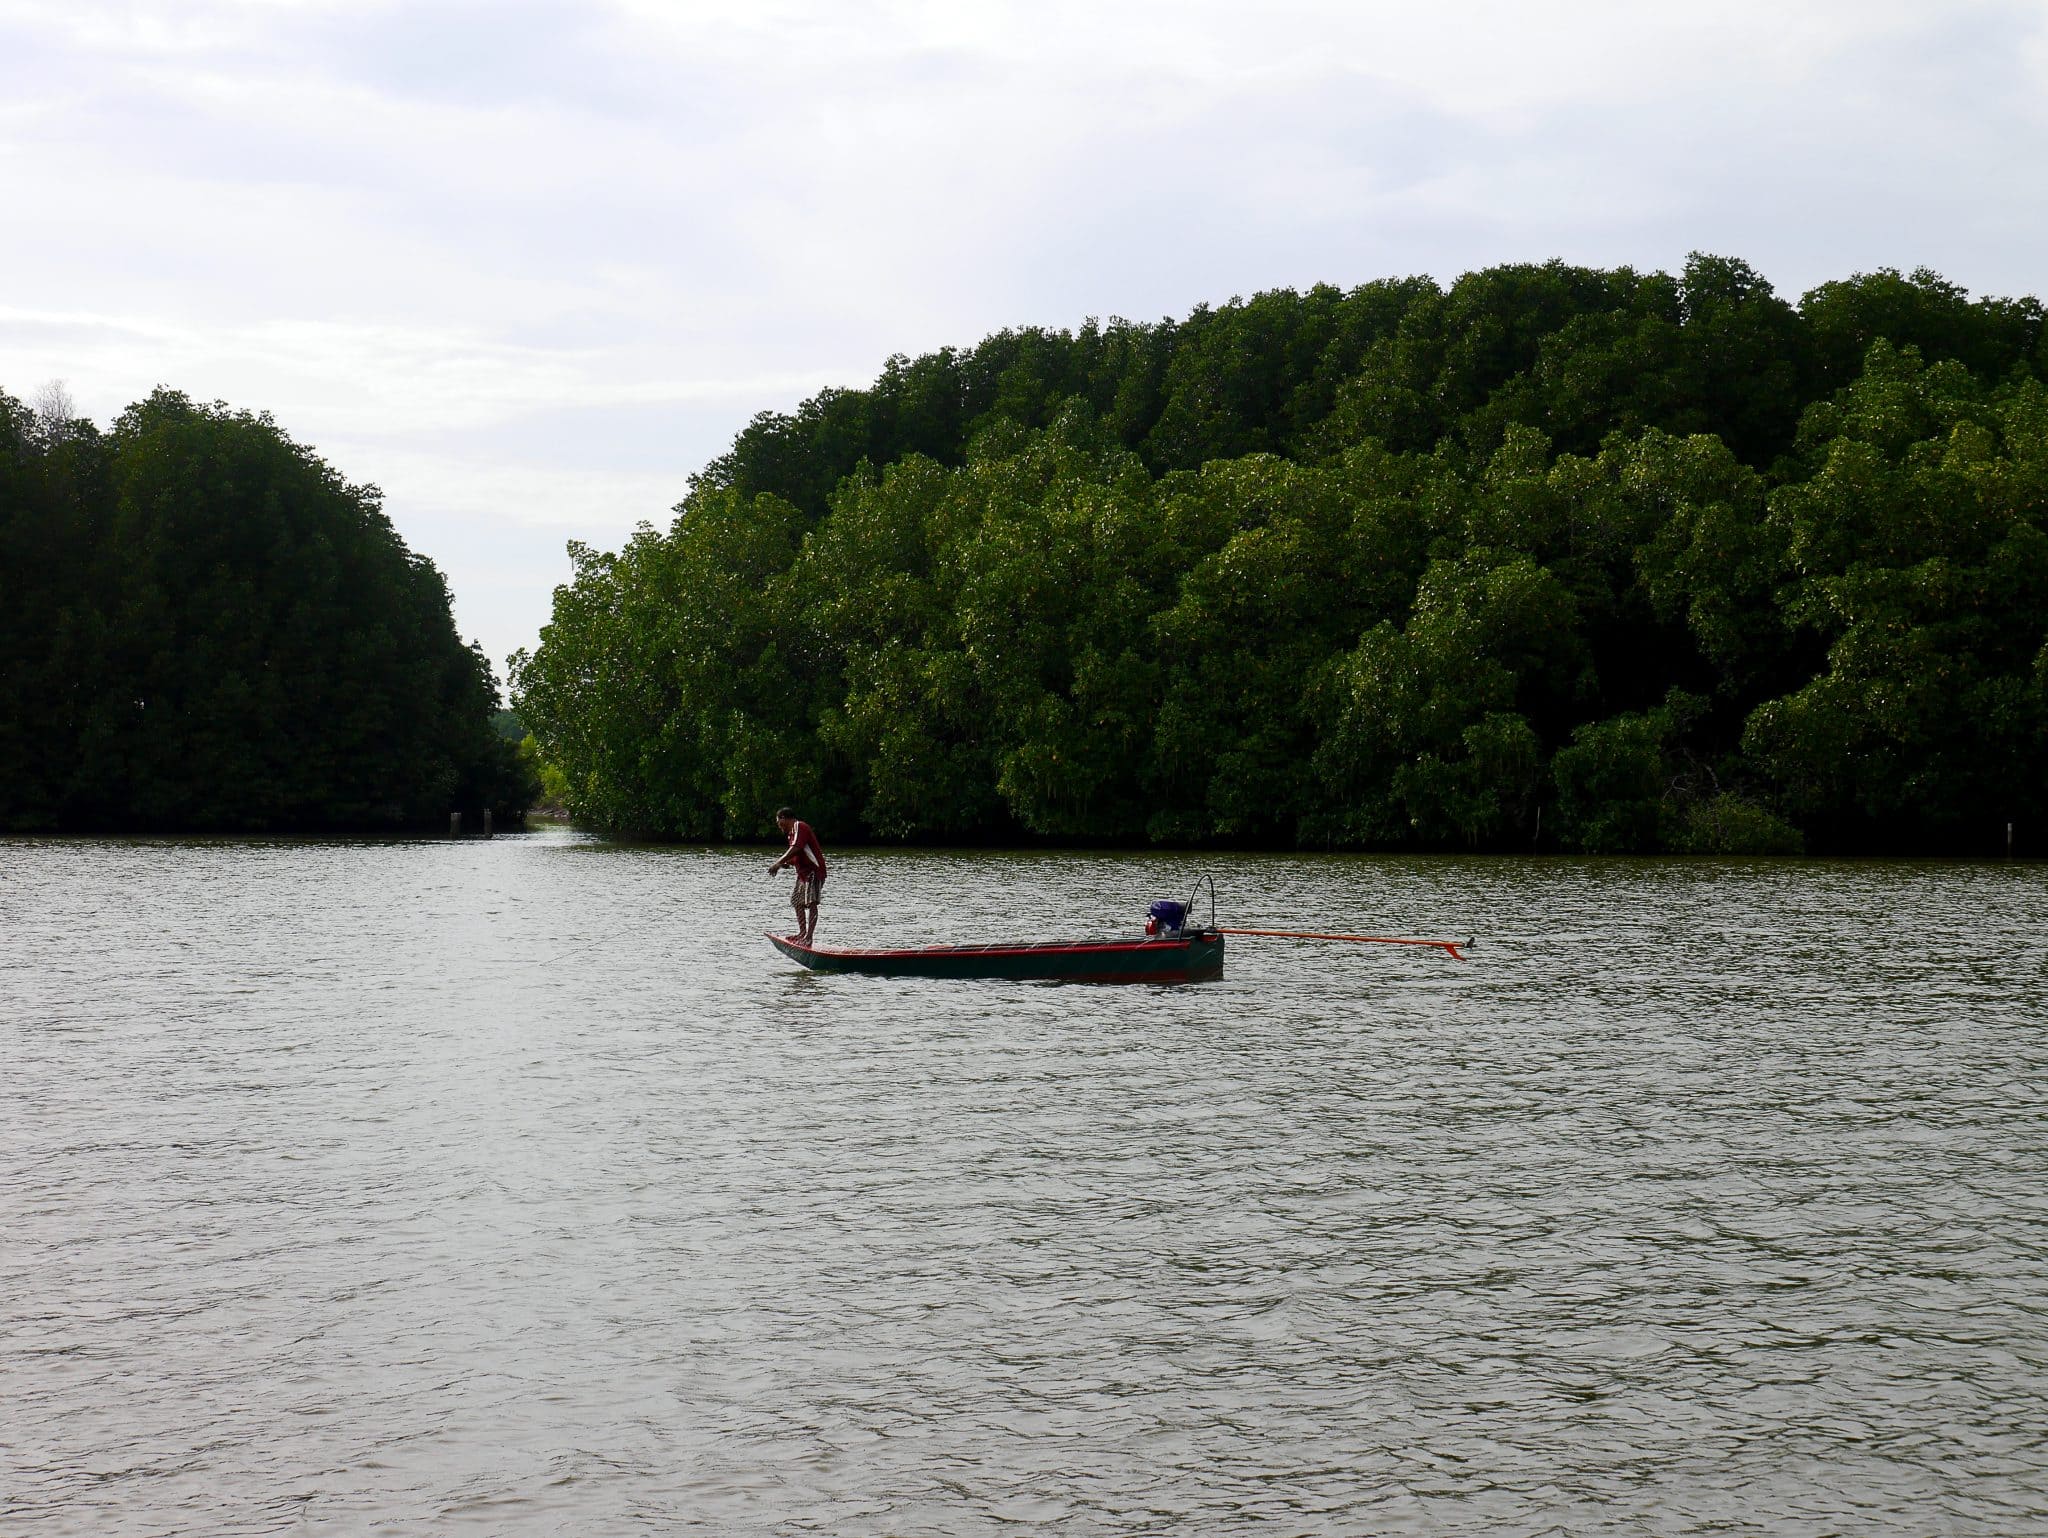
[203, 627]
[1553, 558]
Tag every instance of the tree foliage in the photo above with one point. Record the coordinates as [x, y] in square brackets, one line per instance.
[1551, 557]
[203, 626]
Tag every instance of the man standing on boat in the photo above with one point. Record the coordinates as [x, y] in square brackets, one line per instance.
[808, 857]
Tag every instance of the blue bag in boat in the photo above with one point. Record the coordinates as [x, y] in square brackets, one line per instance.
[1167, 915]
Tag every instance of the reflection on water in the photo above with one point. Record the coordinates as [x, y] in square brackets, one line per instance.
[519, 1187]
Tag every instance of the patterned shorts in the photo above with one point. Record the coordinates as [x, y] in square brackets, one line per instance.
[807, 890]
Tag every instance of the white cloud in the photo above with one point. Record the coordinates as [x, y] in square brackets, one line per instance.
[483, 495]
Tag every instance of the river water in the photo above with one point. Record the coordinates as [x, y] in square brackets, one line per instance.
[519, 1187]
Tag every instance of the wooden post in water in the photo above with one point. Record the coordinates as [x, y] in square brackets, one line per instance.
[487, 822]
[455, 824]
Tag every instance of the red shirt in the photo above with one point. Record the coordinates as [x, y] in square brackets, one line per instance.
[810, 856]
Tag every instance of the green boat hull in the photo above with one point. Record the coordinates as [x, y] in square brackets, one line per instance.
[1192, 957]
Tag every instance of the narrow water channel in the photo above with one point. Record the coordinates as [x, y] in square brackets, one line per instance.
[519, 1187]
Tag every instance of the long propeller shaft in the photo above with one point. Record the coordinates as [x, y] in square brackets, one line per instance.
[1449, 947]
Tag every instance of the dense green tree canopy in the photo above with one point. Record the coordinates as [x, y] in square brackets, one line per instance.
[202, 626]
[1552, 557]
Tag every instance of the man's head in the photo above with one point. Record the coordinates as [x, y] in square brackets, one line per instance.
[785, 819]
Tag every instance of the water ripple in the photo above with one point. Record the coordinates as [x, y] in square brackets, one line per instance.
[518, 1187]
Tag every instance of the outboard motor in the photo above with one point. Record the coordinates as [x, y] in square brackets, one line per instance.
[1167, 917]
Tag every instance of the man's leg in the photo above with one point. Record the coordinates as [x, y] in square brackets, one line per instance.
[796, 902]
[811, 919]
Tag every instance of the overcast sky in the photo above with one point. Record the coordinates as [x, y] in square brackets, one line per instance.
[528, 265]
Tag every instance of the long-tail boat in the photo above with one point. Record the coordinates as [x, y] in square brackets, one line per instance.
[1181, 956]
[1173, 949]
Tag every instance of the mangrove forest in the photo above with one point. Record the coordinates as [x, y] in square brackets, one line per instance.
[204, 627]
[1550, 558]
